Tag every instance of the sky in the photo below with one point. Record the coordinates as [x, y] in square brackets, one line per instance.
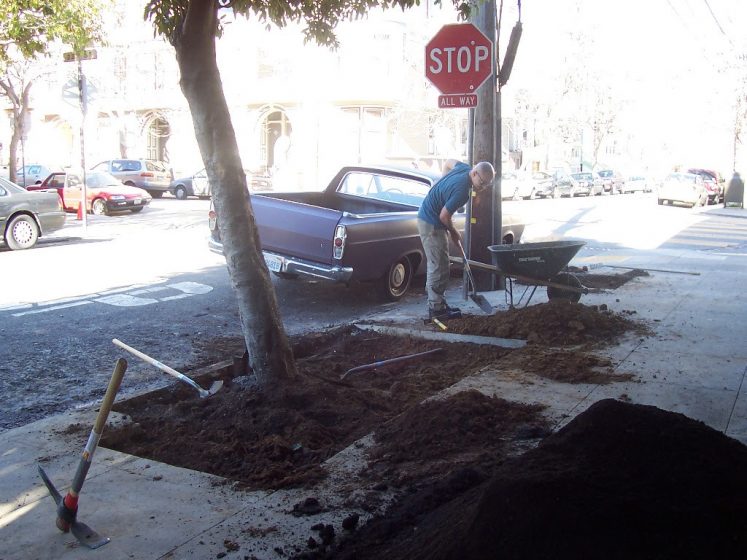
[676, 61]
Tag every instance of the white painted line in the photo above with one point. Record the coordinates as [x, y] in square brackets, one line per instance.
[126, 300]
[180, 296]
[191, 287]
[15, 306]
[53, 308]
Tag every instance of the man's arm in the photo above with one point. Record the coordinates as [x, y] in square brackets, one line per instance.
[445, 217]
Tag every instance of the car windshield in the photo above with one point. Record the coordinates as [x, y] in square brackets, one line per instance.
[94, 180]
[582, 176]
[605, 173]
[681, 178]
[384, 187]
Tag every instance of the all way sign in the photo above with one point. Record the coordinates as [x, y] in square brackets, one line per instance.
[457, 101]
[458, 60]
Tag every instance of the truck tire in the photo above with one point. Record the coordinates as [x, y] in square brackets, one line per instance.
[397, 279]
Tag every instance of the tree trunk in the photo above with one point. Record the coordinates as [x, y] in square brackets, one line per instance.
[270, 353]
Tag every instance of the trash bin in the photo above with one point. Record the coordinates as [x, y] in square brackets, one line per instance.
[734, 195]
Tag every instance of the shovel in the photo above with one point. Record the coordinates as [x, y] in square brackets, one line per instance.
[474, 296]
[214, 388]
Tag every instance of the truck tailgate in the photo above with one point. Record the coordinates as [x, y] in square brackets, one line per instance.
[295, 229]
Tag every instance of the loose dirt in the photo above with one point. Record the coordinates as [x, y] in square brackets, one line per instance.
[450, 454]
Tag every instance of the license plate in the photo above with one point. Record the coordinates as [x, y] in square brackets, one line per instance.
[137, 201]
[273, 263]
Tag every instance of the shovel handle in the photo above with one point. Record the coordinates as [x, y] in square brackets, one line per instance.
[159, 365]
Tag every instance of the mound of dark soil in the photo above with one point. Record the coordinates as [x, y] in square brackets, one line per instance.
[554, 323]
[620, 481]
[245, 435]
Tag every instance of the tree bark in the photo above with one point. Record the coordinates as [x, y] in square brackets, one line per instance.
[269, 350]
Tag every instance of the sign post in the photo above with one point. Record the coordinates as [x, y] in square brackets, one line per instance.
[458, 60]
[88, 54]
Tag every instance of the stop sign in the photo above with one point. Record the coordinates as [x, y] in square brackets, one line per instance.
[459, 58]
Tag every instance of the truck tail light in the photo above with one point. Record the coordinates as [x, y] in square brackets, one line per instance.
[338, 244]
[212, 220]
[147, 174]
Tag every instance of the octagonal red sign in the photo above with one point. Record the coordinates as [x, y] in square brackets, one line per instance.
[459, 58]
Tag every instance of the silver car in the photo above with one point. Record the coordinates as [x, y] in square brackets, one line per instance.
[149, 174]
[32, 174]
[25, 216]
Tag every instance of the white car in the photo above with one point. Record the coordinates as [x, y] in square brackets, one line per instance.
[636, 183]
[684, 188]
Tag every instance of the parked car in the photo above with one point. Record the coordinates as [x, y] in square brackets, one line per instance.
[567, 185]
[540, 184]
[637, 183]
[684, 188]
[26, 216]
[586, 184]
[192, 185]
[714, 183]
[510, 181]
[148, 174]
[361, 227]
[54, 181]
[32, 174]
[199, 186]
[105, 194]
[612, 181]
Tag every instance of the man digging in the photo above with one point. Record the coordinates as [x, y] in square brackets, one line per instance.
[435, 225]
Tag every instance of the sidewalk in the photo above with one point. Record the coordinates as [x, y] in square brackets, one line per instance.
[694, 364]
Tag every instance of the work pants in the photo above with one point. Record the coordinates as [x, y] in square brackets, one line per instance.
[436, 247]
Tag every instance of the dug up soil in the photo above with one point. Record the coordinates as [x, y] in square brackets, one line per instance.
[477, 476]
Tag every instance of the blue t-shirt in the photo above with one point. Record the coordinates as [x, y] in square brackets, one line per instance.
[450, 192]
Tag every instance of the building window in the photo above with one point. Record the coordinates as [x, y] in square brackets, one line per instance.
[363, 136]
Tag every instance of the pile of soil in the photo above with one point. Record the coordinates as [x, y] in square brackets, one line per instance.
[245, 435]
[619, 481]
[431, 450]
[554, 323]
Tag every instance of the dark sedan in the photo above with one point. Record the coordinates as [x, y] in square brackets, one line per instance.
[26, 216]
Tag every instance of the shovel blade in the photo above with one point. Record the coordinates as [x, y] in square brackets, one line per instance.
[482, 303]
[215, 387]
[87, 536]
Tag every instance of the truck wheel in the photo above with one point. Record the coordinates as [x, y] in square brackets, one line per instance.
[395, 283]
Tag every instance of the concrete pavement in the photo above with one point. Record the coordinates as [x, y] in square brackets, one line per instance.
[694, 364]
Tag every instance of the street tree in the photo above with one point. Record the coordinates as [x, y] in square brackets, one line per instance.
[192, 27]
[31, 30]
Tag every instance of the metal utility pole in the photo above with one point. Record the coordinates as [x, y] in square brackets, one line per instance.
[88, 54]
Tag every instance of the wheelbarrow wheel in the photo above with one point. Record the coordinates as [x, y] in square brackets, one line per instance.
[566, 279]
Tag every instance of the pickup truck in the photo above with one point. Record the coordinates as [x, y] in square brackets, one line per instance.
[361, 227]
